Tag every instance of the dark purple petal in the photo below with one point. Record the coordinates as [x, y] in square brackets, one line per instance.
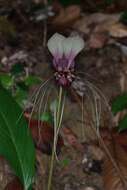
[63, 81]
[63, 64]
[64, 78]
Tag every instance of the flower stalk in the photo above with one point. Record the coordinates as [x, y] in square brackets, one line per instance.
[64, 50]
[51, 170]
[57, 125]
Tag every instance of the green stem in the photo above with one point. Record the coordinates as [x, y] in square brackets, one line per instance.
[59, 106]
[51, 169]
[57, 125]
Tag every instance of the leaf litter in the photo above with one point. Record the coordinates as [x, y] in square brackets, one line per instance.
[103, 63]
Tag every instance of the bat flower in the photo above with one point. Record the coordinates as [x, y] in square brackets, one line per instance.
[64, 50]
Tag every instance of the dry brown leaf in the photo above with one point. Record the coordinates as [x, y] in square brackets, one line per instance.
[43, 135]
[97, 152]
[67, 15]
[14, 185]
[38, 1]
[118, 30]
[97, 40]
[97, 22]
[72, 139]
[119, 138]
[115, 179]
[40, 164]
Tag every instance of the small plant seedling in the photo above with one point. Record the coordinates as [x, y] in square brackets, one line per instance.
[120, 104]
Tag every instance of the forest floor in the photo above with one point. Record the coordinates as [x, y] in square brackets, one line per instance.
[84, 163]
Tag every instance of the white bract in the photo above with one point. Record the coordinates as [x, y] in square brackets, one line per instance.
[67, 48]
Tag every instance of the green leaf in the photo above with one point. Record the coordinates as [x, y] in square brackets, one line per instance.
[16, 143]
[21, 96]
[119, 103]
[109, 2]
[32, 80]
[17, 69]
[47, 116]
[123, 17]
[65, 162]
[6, 80]
[22, 85]
[123, 124]
[69, 2]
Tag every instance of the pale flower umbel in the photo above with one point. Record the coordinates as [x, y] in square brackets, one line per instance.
[64, 50]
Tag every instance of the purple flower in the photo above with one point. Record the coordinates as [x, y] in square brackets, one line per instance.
[64, 50]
